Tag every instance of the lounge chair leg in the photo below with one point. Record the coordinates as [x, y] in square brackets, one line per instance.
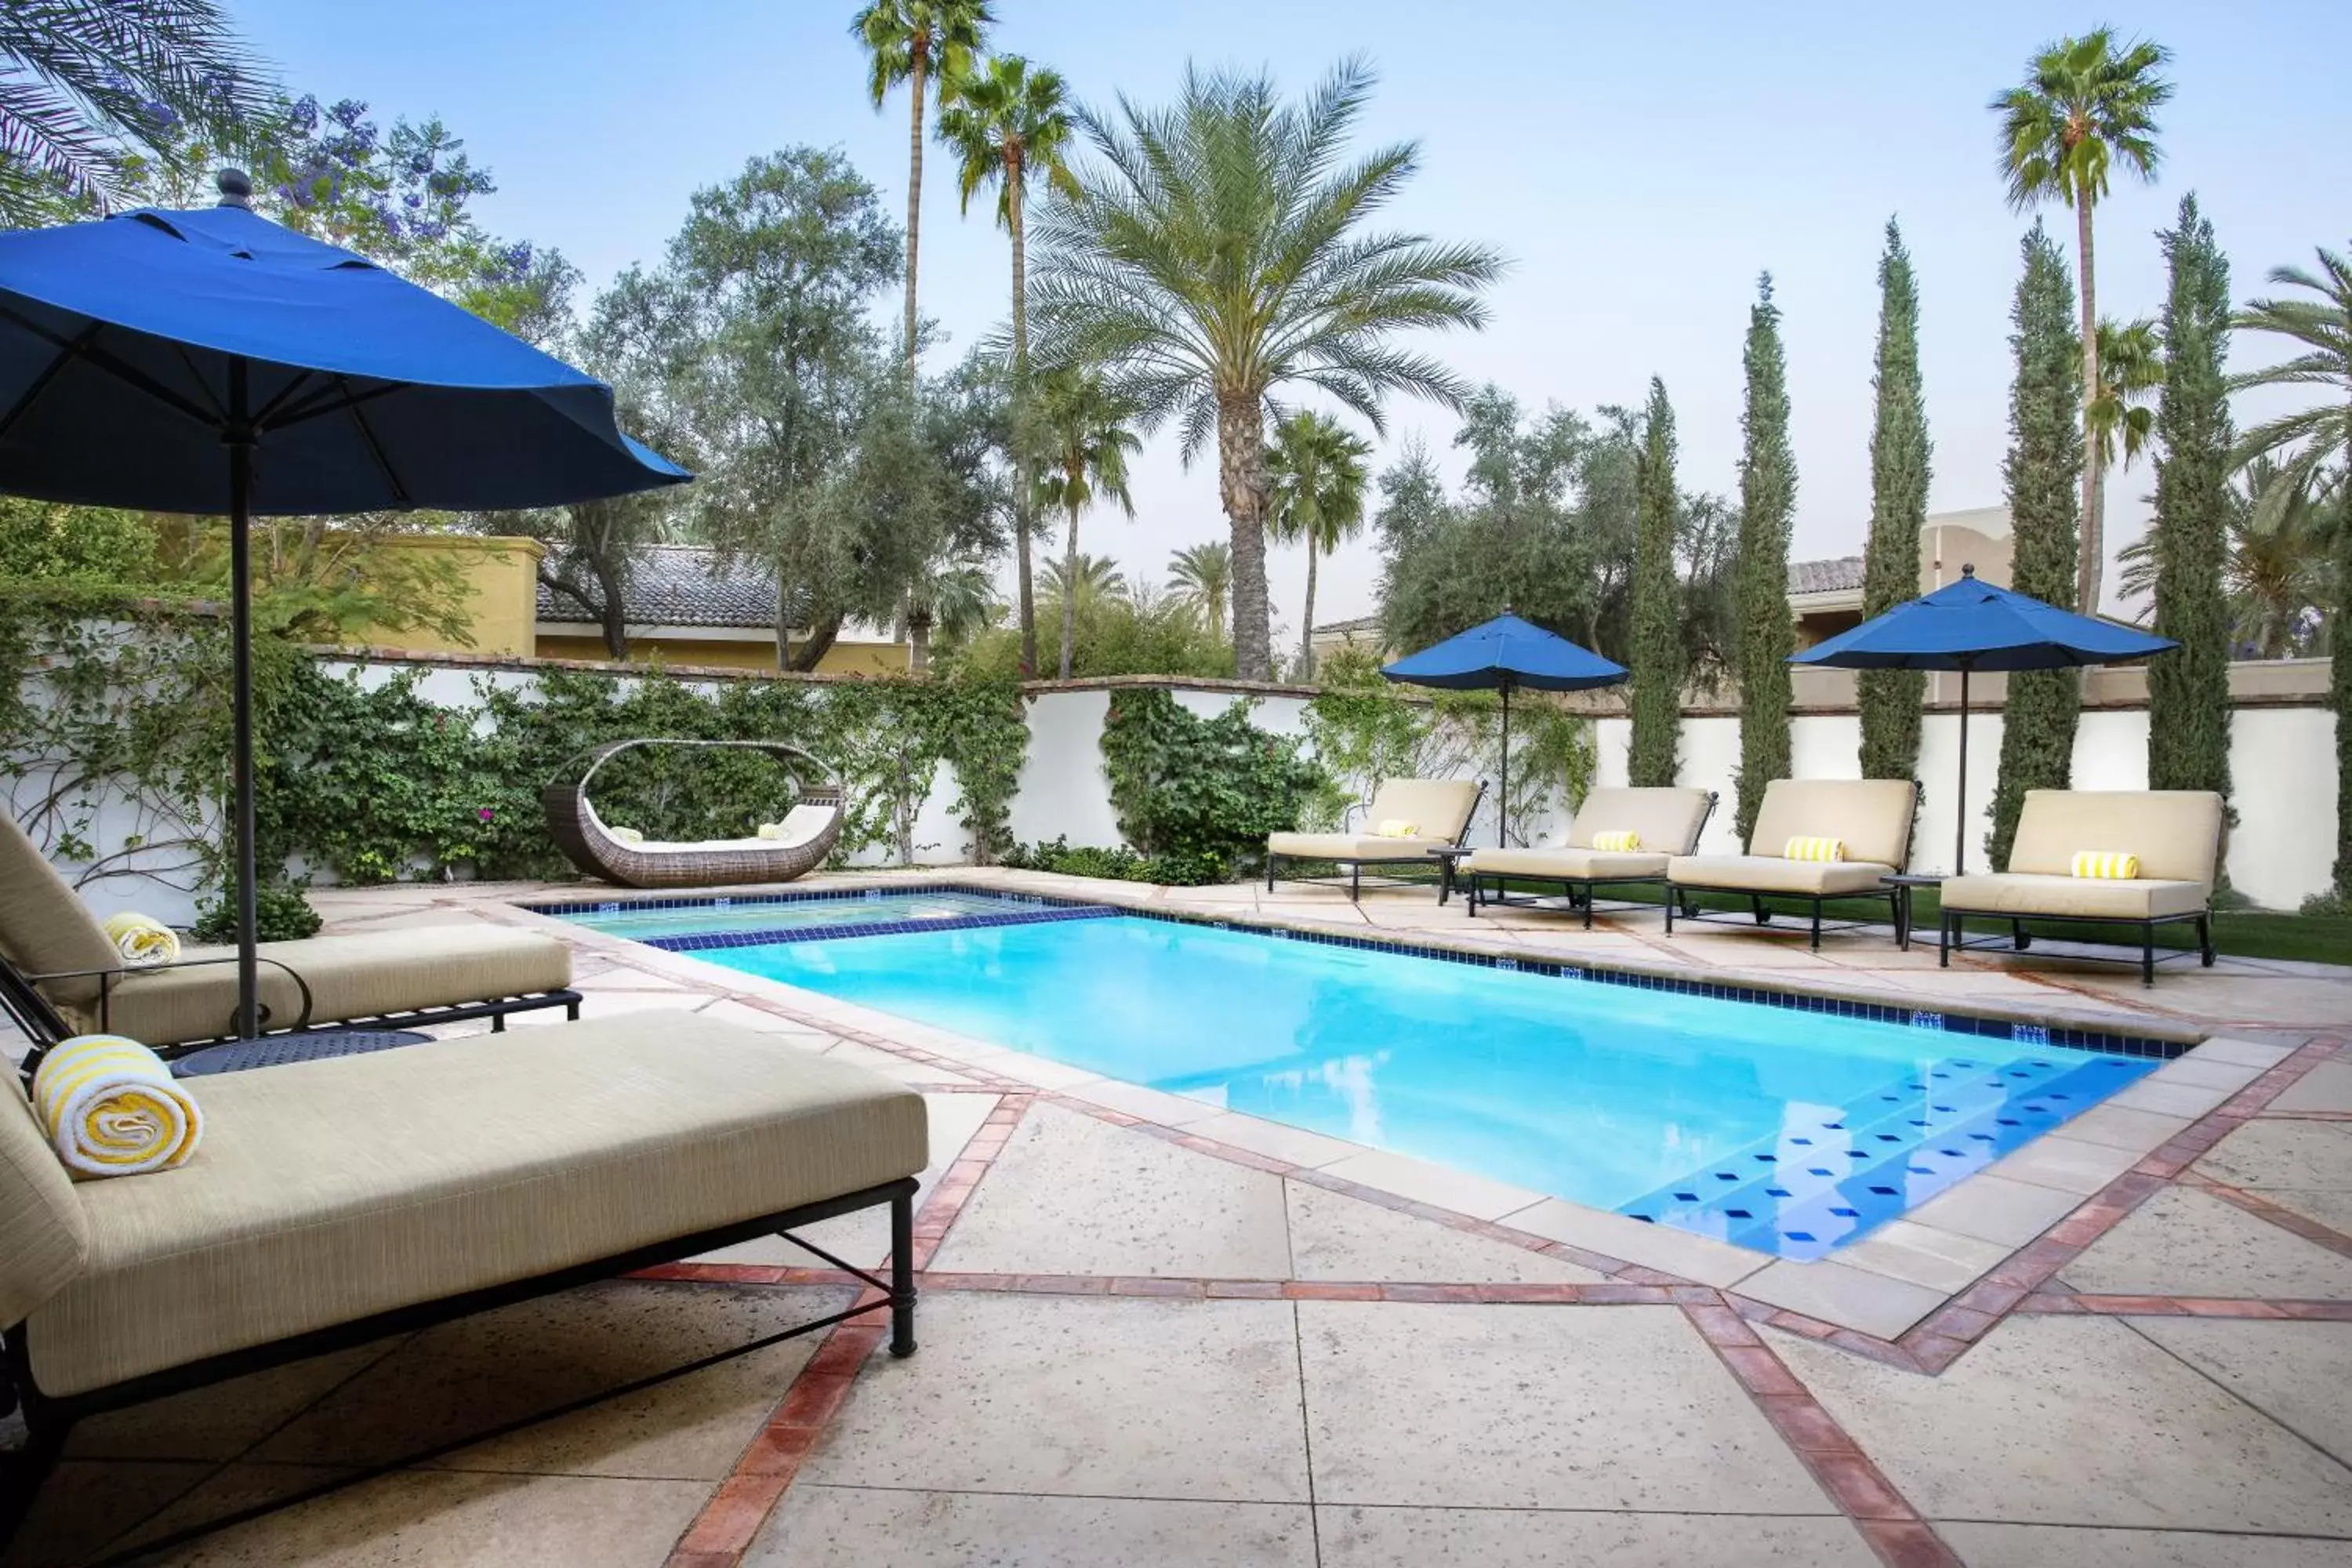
[902, 1275]
[2205, 939]
[1355, 881]
[2147, 952]
[1671, 897]
[1763, 915]
[498, 1023]
[572, 1010]
[1588, 906]
[1269, 873]
[45, 1441]
[1944, 941]
[1817, 925]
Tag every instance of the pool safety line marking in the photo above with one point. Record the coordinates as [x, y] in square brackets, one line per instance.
[707, 941]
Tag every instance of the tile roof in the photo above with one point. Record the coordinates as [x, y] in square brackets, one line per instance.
[1841, 575]
[685, 586]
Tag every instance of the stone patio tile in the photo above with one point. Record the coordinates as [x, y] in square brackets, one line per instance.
[1274, 1140]
[1151, 1104]
[729, 1011]
[607, 1004]
[1334, 1236]
[1431, 1183]
[2331, 1206]
[2171, 1098]
[2057, 1420]
[1942, 1260]
[2120, 1127]
[1993, 1209]
[842, 1526]
[1572, 1407]
[903, 1068]
[464, 1376]
[2182, 1242]
[864, 1238]
[2250, 1053]
[2068, 1165]
[2212, 1072]
[1683, 1252]
[1080, 1396]
[2297, 1374]
[433, 1518]
[1848, 1297]
[223, 1420]
[1042, 1071]
[1074, 1196]
[2038, 1546]
[1503, 1538]
[86, 1503]
[2268, 1152]
[2328, 1087]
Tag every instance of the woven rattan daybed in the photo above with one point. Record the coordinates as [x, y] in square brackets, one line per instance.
[804, 837]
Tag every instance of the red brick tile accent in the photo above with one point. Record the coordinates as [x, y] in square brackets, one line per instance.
[734, 1514]
[2301, 1225]
[1320, 1291]
[1062, 1284]
[1720, 1324]
[1245, 1289]
[1455, 1293]
[1759, 1371]
[1144, 1286]
[1804, 1424]
[1902, 1543]
[1538, 1295]
[1858, 1486]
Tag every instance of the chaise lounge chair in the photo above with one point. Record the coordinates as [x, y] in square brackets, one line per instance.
[1438, 810]
[1871, 819]
[1667, 821]
[2176, 836]
[332, 1202]
[429, 974]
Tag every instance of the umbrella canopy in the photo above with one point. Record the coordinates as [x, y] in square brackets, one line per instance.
[1970, 626]
[1503, 655]
[215, 363]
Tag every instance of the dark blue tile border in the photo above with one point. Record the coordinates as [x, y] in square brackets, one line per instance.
[1839, 1007]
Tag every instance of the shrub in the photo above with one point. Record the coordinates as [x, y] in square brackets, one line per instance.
[1197, 795]
[281, 914]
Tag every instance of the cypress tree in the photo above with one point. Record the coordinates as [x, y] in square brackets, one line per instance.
[1768, 492]
[1899, 453]
[2042, 471]
[2189, 688]
[1657, 662]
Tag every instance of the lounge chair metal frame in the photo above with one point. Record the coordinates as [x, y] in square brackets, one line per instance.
[1354, 880]
[1952, 937]
[1761, 912]
[48, 1419]
[1577, 890]
[589, 845]
[21, 1000]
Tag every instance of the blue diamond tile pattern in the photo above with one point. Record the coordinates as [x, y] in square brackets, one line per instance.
[1901, 1144]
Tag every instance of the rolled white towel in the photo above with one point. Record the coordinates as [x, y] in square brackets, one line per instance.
[625, 834]
[111, 1108]
[143, 941]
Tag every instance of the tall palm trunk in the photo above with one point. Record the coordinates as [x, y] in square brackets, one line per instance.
[1070, 596]
[918, 643]
[1307, 631]
[2090, 562]
[1241, 485]
[1020, 409]
[920, 52]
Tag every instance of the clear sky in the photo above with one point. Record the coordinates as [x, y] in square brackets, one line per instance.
[1639, 164]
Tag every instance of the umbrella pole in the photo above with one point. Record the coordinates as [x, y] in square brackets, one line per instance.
[1503, 800]
[1961, 799]
[238, 437]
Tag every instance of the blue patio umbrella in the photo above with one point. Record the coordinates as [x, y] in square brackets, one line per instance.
[216, 364]
[1503, 655]
[1970, 626]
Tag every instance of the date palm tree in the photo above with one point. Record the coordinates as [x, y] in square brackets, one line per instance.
[2282, 521]
[2086, 105]
[1095, 577]
[1009, 126]
[1204, 575]
[2321, 327]
[950, 599]
[1316, 499]
[930, 46]
[1216, 249]
[88, 91]
[1083, 428]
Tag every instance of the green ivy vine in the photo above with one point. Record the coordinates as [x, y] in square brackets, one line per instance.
[1195, 796]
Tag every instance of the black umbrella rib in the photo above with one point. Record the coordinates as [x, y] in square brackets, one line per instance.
[85, 348]
[261, 421]
[48, 373]
[352, 401]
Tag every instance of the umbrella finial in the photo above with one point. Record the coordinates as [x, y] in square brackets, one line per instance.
[235, 187]
[1507, 606]
[1968, 568]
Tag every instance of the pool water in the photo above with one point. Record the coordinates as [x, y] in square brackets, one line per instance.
[1789, 1131]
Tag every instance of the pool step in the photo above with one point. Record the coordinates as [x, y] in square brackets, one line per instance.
[1807, 1190]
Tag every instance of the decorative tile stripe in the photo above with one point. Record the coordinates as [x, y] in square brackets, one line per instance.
[2285, 1218]
[2188, 1307]
[807, 895]
[705, 942]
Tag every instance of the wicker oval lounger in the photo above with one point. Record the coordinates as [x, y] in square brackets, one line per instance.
[809, 828]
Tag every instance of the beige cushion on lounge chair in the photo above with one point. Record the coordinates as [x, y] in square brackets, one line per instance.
[1771, 874]
[1668, 821]
[1441, 808]
[356, 976]
[44, 926]
[328, 1191]
[2176, 834]
[44, 1238]
[1871, 817]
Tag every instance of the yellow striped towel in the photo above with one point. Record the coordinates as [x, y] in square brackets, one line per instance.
[1624, 843]
[2106, 865]
[141, 939]
[111, 1108]
[771, 830]
[1396, 827]
[1813, 848]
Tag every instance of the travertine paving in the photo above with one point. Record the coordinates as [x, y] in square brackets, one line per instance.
[1154, 1333]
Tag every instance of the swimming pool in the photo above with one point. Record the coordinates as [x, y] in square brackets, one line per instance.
[1786, 1130]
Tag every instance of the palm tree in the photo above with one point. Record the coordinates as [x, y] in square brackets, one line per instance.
[1097, 577]
[2282, 523]
[2083, 106]
[1217, 251]
[2131, 368]
[87, 92]
[1011, 124]
[2321, 433]
[1204, 575]
[930, 46]
[951, 599]
[1317, 498]
[1083, 440]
